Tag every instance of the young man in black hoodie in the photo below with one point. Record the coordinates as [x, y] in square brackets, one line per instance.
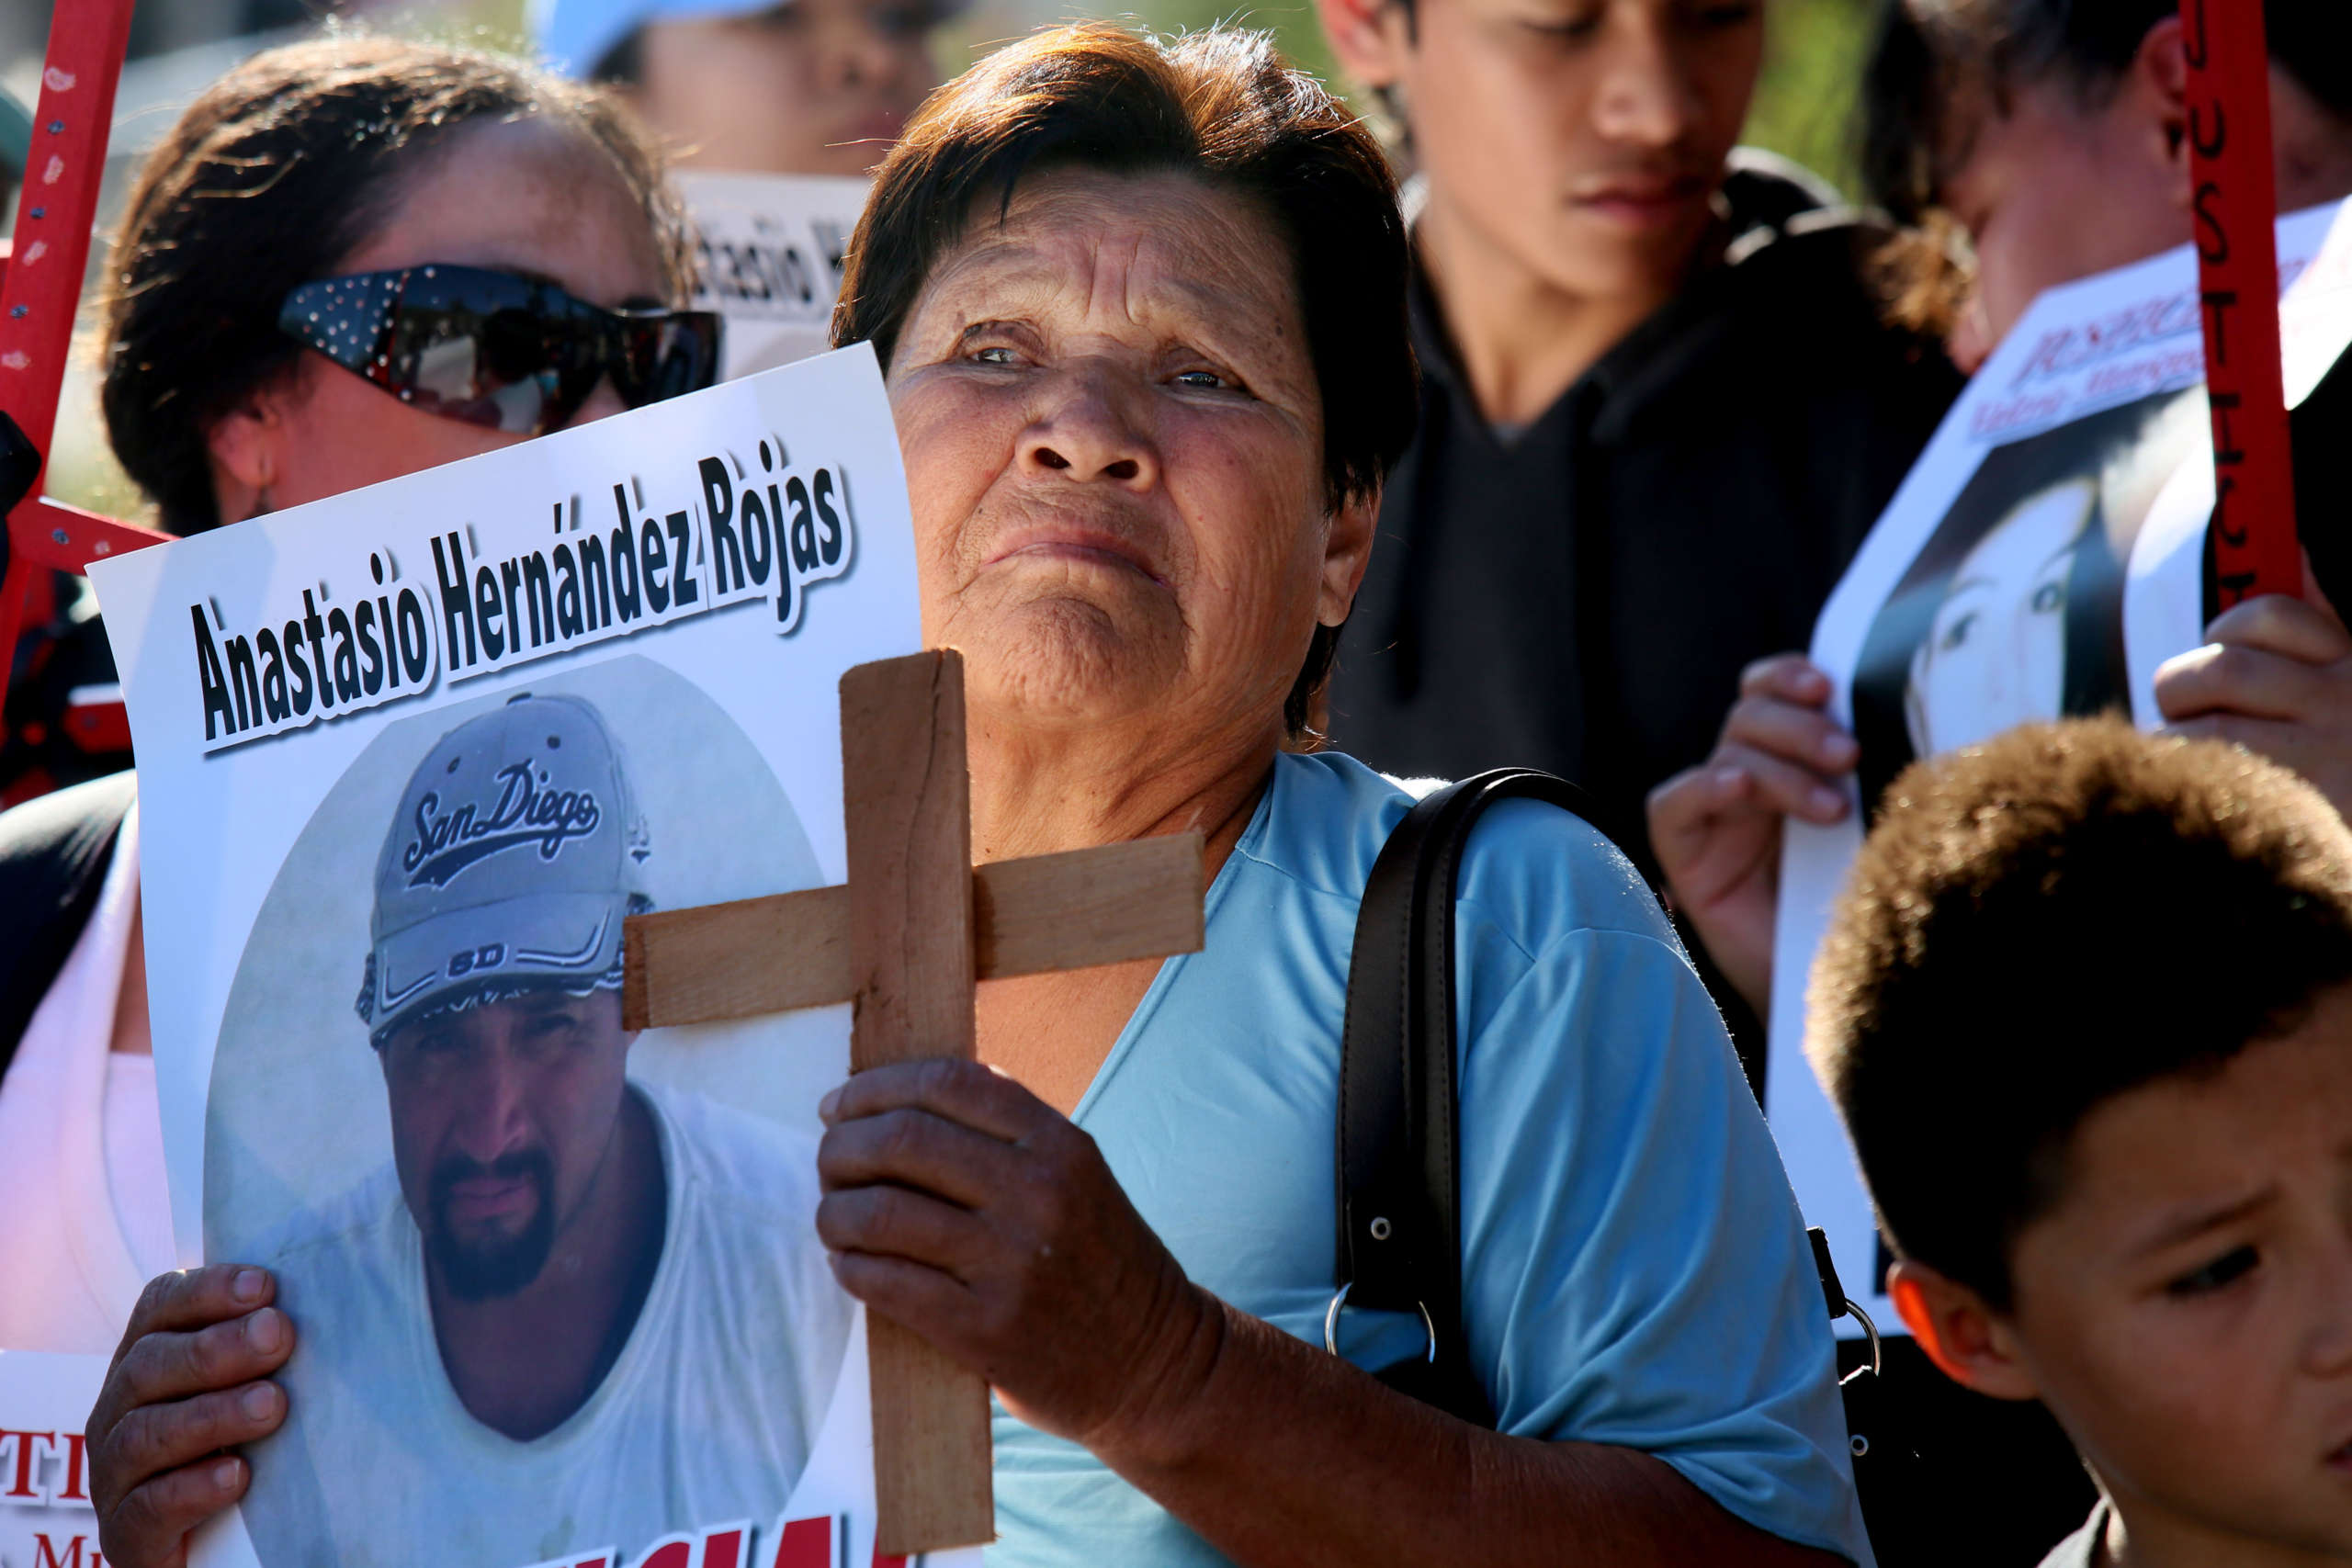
[1661, 406]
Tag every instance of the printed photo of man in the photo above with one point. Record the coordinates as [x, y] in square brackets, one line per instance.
[574, 1313]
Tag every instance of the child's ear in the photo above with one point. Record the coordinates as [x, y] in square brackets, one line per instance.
[1974, 1345]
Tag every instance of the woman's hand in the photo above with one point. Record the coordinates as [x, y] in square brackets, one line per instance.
[188, 1383]
[962, 1206]
[1717, 828]
[2275, 677]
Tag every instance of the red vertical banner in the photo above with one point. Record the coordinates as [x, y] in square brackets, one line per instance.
[56, 208]
[2256, 549]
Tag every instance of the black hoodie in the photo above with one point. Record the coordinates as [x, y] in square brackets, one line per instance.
[1581, 597]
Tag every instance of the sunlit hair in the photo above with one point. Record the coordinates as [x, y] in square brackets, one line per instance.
[280, 170]
[1219, 105]
[2042, 923]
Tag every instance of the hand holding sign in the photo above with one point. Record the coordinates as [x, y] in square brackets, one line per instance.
[188, 1383]
[2277, 678]
[1716, 827]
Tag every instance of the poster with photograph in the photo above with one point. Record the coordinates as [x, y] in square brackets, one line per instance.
[2044, 555]
[45, 1516]
[768, 253]
[408, 759]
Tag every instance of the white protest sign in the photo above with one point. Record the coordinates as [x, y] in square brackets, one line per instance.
[2042, 558]
[769, 251]
[407, 758]
[45, 1518]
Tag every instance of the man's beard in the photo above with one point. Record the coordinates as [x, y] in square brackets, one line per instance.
[494, 1266]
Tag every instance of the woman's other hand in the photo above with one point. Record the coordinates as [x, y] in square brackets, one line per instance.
[969, 1210]
[188, 1383]
[1717, 828]
[2275, 677]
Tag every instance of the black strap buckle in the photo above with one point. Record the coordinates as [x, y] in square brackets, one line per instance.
[1840, 1305]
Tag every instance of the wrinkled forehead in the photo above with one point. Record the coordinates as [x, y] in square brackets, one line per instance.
[1084, 244]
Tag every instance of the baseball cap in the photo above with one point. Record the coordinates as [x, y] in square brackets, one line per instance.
[515, 855]
[576, 35]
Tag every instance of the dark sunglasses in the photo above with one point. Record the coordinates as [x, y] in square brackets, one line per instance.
[497, 350]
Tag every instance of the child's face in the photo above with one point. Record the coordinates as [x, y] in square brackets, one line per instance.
[2185, 1309]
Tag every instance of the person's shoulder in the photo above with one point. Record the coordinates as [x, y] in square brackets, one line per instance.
[1540, 874]
[1325, 818]
[1530, 868]
[1805, 266]
[75, 821]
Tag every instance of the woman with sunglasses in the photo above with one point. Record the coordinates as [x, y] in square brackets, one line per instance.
[351, 259]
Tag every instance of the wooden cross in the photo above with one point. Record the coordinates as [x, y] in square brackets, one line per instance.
[905, 941]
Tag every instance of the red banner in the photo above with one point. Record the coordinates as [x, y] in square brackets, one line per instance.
[2256, 549]
[62, 168]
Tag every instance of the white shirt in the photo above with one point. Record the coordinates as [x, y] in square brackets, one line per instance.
[705, 1418]
[85, 1219]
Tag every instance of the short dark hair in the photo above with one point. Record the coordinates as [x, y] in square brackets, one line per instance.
[276, 172]
[1932, 55]
[1221, 106]
[2042, 923]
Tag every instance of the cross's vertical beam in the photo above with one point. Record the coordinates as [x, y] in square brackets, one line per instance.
[906, 809]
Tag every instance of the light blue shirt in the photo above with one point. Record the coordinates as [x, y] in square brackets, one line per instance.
[1634, 1270]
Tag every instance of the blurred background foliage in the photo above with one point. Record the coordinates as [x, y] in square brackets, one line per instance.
[1804, 105]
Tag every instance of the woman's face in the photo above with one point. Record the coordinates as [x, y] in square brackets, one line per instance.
[811, 88]
[1996, 655]
[524, 197]
[1114, 440]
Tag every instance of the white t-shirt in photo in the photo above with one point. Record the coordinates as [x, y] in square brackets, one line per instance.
[705, 1418]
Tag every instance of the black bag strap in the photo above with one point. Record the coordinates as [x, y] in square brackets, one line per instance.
[1399, 1188]
[1399, 1211]
[54, 851]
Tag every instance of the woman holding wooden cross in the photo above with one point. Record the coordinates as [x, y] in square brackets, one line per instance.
[1141, 313]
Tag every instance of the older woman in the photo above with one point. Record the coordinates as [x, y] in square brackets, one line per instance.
[1141, 311]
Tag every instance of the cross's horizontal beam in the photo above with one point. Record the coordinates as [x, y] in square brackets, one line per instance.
[1072, 910]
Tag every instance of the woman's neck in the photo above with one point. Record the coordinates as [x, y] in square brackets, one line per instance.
[1522, 339]
[1035, 791]
[1038, 790]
